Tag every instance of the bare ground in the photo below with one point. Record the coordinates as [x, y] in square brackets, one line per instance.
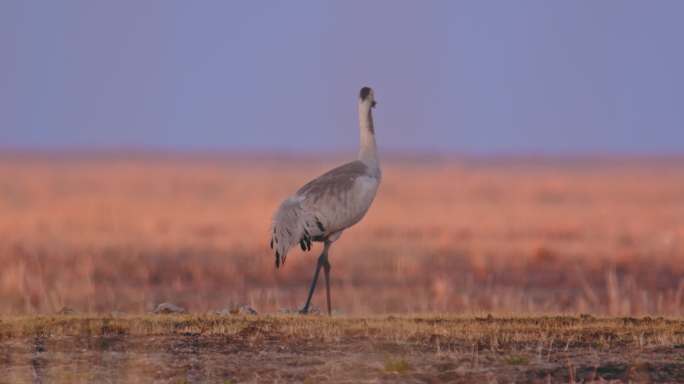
[190, 348]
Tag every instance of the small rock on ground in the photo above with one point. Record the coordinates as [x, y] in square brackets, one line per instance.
[169, 308]
[246, 310]
[67, 311]
[241, 310]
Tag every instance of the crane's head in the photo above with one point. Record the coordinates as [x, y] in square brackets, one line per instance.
[367, 97]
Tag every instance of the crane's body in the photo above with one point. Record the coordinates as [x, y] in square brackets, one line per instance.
[327, 205]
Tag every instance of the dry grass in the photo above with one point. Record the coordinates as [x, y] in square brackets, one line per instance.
[208, 348]
[434, 331]
[100, 234]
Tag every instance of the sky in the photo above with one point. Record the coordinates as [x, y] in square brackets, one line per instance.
[466, 77]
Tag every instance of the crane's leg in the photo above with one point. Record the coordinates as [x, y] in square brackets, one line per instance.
[326, 269]
[322, 259]
[305, 310]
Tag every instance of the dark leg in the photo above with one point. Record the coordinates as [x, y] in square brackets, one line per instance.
[326, 269]
[322, 259]
[313, 286]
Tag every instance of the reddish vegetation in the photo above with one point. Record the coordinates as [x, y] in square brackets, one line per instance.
[114, 234]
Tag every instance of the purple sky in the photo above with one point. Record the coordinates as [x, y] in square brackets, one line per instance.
[482, 77]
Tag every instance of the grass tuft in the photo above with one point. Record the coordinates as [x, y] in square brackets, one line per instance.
[517, 360]
[396, 365]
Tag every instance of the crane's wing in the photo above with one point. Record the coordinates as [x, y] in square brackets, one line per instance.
[292, 224]
[333, 183]
[323, 206]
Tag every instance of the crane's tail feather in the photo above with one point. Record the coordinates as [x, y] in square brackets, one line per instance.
[292, 225]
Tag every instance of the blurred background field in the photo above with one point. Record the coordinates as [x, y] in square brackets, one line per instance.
[113, 232]
[533, 164]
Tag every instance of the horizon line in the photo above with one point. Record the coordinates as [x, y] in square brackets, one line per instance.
[417, 156]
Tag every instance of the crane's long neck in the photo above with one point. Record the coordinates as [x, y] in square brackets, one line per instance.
[368, 153]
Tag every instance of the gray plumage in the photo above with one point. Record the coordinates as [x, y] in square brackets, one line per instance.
[327, 205]
[324, 206]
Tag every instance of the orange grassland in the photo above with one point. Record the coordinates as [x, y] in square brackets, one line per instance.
[100, 233]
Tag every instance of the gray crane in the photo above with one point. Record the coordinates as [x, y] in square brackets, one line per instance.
[327, 205]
